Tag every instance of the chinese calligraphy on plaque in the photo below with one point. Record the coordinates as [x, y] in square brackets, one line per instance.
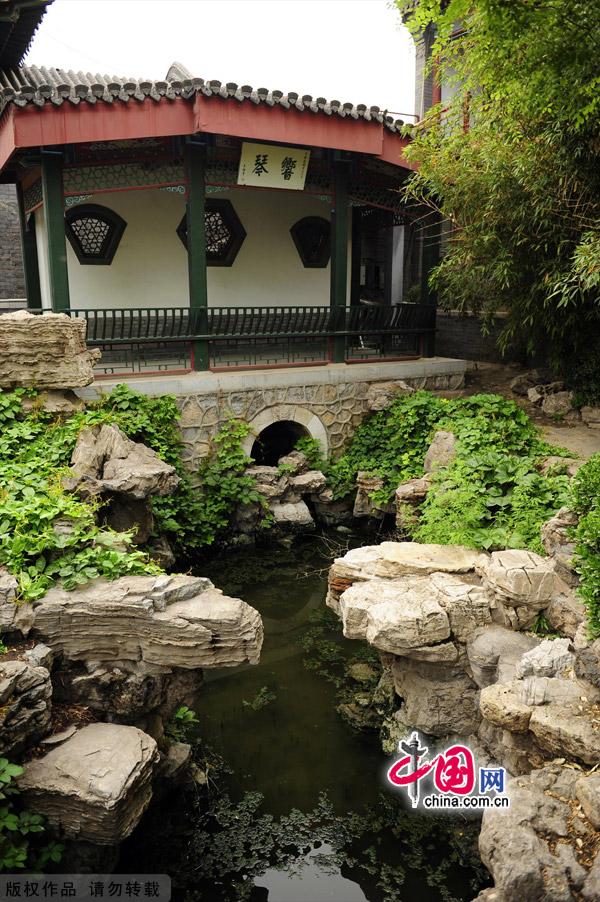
[273, 166]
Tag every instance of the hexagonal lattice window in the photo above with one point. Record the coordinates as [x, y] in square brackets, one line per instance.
[94, 233]
[312, 237]
[225, 233]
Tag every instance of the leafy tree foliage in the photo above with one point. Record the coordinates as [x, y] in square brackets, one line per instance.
[520, 187]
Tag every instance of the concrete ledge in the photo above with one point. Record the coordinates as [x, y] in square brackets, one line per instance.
[247, 380]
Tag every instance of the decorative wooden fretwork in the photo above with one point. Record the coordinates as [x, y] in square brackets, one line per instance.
[225, 233]
[94, 233]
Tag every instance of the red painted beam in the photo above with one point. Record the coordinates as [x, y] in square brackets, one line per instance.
[68, 124]
[7, 138]
[49, 125]
[266, 123]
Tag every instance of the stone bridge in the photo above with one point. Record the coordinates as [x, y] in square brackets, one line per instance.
[327, 403]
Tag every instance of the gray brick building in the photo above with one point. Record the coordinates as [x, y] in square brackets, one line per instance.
[12, 279]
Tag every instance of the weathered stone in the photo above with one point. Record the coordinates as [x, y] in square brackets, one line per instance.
[561, 465]
[537, 394]
[441, 451]
[96, 785]
[438, 699]
[565, 614]
[40, 656]
[126, 514]
[15, 617]
[521, 384]
[393, 615]
[161, 552]
[550, 658]
[364, 506]
[175, 621]
[408, 497]
[292, 515]
[333, 513]
[310, 482]
[588, 793]
[105, 460]
[555, 536]
[558, 404]
[413, 492]
[566, 730]
[521, 578]
[526, 847]
[502, 706]
[295, 462]
[44, 352]
[381, 394]
[591, 416]
[587, 663]
[443, 652]
[25, 705]
[494, 653]
[58, 402]
[126, 690]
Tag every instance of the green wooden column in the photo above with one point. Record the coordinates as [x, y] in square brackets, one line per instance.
[52, 190]
[30, 255]
[196, 243]
[339, 252]
[430, 257]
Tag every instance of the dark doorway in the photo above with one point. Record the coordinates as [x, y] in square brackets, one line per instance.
[276, 441]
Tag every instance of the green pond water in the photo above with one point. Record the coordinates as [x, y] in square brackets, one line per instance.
[324, 827]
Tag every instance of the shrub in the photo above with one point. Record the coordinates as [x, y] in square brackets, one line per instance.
[585, 500]
[48, 534]
[491, 496]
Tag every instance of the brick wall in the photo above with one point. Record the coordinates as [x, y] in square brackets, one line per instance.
[12, 280]
[460, 336]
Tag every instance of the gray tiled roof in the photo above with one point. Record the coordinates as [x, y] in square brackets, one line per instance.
[39, 85]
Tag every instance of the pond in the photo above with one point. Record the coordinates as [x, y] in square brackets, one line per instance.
[301, 810]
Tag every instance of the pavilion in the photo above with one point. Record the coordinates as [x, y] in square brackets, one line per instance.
[201, 225]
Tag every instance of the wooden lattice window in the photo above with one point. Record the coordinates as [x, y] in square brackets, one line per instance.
[94, 233]
[225, 233]
[312, 237]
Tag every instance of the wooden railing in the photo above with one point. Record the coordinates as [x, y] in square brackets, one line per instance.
[147, 339]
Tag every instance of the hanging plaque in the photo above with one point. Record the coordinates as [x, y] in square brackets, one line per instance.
[273, 166]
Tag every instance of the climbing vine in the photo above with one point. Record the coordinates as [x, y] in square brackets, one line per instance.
[491, 496]
[585, 500]
[48, 534]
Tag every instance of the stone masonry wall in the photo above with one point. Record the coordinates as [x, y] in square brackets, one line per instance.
[12, 280]
[330, 412]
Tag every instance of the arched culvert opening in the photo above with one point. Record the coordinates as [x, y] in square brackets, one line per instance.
[276, 440]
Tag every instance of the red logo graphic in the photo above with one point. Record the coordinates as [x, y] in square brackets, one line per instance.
[453, 769]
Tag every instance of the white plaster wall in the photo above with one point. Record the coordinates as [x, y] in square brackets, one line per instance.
[150, 266]
[42, 249]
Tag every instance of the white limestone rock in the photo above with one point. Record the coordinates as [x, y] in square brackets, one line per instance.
[550, 658]
[171, 620]
[292, 515]
[311, 482]
[393, 615]
[95, 786]
[521, 578]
